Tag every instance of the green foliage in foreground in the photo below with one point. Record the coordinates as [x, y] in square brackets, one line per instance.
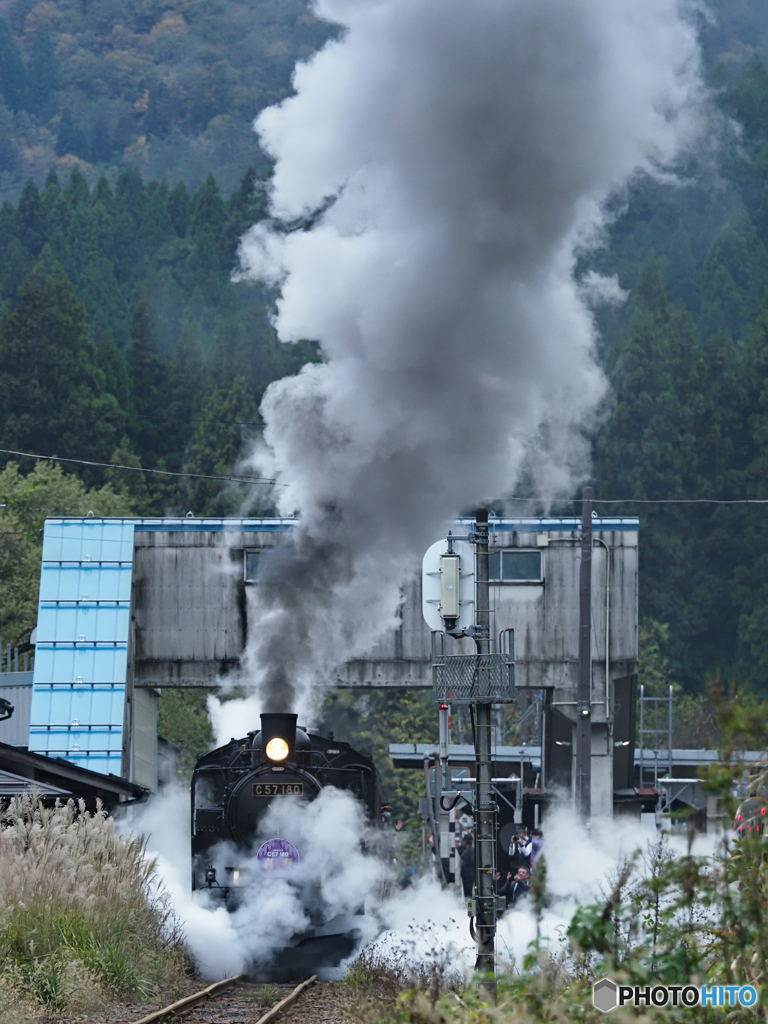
[665, 918]
[82, 919]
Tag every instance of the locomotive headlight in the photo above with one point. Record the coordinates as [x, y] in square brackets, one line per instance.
[277, 749]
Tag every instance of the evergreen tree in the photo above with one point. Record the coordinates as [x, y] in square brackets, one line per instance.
[77, 192]
[674, 433]
[9, 151]
[43, 73]
[125, 134]
[148, 377]
[179, 208]
[112, 365]
[52, 399]
[186, 373]
[129, 483]
[247, 206]
[13, 74]
[157, 120]
[71, 137]
[209, 214]
[750, 587]
[31, 227]
[101, 145]
[221, 434]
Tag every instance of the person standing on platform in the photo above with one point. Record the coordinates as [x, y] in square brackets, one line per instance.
[467, 865]
[520, 852]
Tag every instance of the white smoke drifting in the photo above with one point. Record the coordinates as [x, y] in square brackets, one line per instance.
[582, 868]
[434, 173]
[343, 875]
[340, 869]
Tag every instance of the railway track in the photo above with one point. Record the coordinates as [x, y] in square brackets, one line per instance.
[238, 1001]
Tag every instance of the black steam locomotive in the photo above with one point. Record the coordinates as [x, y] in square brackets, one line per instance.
[232, 789]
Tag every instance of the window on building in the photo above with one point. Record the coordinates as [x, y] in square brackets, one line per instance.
[253, 566]
[517, 566]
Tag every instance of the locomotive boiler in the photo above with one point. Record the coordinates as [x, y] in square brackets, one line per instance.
[233, 787]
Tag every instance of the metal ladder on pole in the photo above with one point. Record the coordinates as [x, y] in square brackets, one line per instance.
[658, 751]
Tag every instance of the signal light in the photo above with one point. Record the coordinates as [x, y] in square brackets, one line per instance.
[277, 749]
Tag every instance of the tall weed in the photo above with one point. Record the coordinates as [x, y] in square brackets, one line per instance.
[82, 917]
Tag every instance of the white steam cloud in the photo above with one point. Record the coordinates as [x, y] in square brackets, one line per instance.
[342, 875]
[341, 871]
[434, 173]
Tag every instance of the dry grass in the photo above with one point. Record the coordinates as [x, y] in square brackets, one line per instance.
[82, 919]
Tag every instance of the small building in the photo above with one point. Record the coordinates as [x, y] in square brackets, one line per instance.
[128, 606]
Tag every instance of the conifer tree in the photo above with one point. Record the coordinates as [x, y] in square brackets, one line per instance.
[148, 377]
[71, 138]
[52, 399]
[226, 421]
[43, 73]
[13, 74]
[31, 227]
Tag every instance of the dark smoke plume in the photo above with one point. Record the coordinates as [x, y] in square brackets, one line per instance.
[460, 153]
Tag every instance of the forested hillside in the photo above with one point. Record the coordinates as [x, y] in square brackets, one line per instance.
[687, 355]
[124, 339]
[141, 345]
[170, 87]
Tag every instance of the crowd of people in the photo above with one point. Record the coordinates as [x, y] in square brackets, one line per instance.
[524, 847]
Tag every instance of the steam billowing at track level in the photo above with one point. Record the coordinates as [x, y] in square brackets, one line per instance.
[254, 853]
[443, 161]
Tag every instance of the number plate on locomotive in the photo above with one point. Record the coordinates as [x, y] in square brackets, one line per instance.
[277, 788]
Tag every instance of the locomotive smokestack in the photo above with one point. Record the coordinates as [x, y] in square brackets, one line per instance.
[278, 735]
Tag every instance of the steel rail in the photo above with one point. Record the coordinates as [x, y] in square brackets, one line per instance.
[289, 1000]
[189, 1001]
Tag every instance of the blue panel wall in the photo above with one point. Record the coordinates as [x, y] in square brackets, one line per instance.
[81, 654]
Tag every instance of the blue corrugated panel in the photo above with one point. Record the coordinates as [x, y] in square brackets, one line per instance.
[81, 657]
[92, 582]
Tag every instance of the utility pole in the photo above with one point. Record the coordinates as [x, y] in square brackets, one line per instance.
[584, 703]
[453, 606]
[445, 784]
[485, 811]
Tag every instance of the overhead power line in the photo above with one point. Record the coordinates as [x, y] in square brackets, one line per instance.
[678, 501]
[142, 469]
[274, 482]
[643, 501]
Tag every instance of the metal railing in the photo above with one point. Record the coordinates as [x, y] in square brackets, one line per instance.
[12, 661]
[472, 678]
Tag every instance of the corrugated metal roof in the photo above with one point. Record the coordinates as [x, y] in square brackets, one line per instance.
[81, 654]
[16, 687]
[16, 785]
[171, 524]
[555, 524]
[91, 786]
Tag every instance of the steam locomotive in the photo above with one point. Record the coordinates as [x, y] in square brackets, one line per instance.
[233, 788]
